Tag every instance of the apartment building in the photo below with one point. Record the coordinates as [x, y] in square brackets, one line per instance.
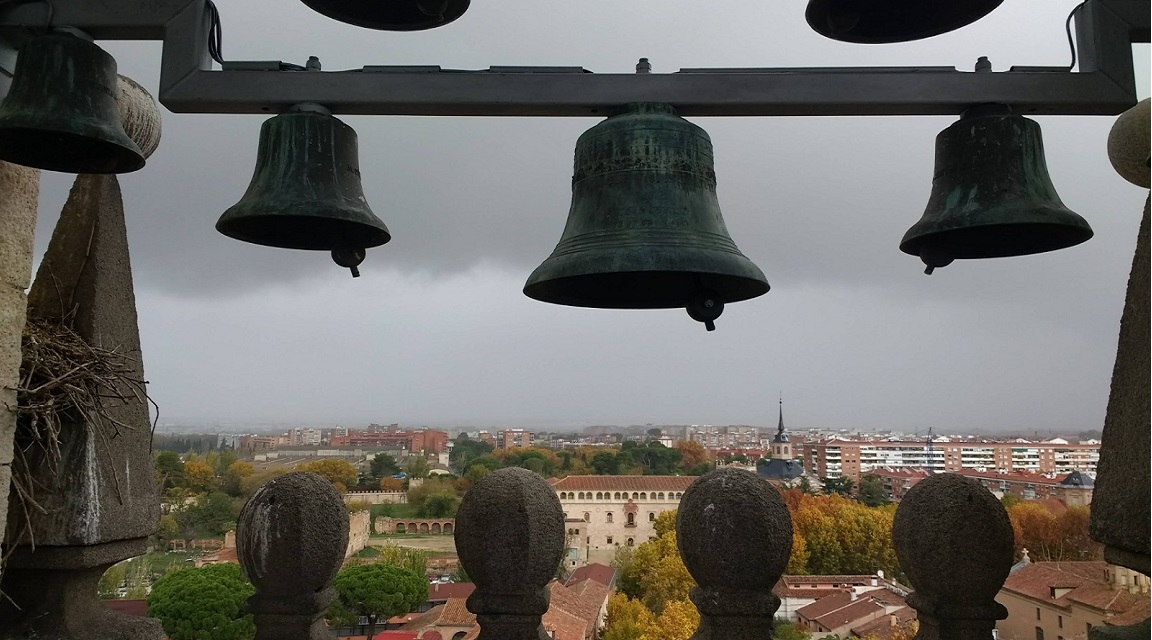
[1073, 489]
[509, 438]
[837, 457]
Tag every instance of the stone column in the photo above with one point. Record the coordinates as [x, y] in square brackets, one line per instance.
[291, 537]
[734, 534]
[100, 500]
[510, 538]
[954, 542]
[20, 187]
[1120, 501]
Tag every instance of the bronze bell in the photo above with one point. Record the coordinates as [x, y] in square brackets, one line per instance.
[391, 15]
[645, 230]
[880, 21]
[61, 114]
[305, 192]
[991, 194]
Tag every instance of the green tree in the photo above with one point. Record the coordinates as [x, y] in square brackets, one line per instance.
[203, 604]
[169, 470]
[211, 516]
[841, 486]
[416, 466]
[439, 505]
[872, 491]
[375, 590]
[418, 494]
[383, 466]
[783, 629]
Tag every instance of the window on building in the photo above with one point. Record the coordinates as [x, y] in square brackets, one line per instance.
[651, 516]
[1039, 633]
[1037, 613]
[1060, 621]
[587, 517]
[609, 539]
[608, 517]
[631, 542]
[631, 519]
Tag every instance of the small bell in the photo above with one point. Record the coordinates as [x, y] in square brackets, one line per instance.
[60, 113]
[644, 230]
[991, 194]
[882, 21]
[391, 15]
[305, 192]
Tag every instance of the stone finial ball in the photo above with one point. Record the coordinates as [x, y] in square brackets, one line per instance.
[953, 540]
[510, 532]
[1128, 144]
[139, 115]
[734, 531]
[292, 535]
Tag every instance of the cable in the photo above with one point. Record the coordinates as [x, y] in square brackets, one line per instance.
[215, 33]
[1068, 31]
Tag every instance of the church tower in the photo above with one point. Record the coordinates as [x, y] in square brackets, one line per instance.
[781, 446]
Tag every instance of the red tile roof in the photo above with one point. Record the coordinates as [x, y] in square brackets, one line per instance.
[438, 592]
[623, 483]
[601, 573]
[858, 610]
[825, 605]
[884, 627]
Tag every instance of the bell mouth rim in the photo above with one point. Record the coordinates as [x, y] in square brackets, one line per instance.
[728, 289]
[121, 156]
[455, 10]
[1015, 239]
[818, 22]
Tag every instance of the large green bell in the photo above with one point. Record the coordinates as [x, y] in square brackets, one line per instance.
[645, 230]
[391, 15]
[61, 114]
[881, 21]
[991, 194]
[305, 192]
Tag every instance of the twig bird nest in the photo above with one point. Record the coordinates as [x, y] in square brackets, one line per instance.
[66, 381]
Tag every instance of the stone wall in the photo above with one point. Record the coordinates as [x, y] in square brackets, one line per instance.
[376, 497]
[358, 531]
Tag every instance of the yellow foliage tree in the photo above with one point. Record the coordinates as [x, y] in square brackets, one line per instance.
[338, 472]
[660, 573]
[694, 453]
[665, 522]
[199, 476]
[627, 619]
[678, 622]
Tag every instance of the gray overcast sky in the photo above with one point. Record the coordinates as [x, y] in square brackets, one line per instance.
[438, 332]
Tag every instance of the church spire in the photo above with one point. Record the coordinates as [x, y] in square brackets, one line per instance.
[780, 437]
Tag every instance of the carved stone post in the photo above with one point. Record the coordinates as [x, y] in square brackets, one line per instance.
[99, 501]
[1120, 503]
[954, 542]
[734, 534]
[510, 538]
[290, 540]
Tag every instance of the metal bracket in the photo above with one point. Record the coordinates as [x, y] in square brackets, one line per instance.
[1105, 84]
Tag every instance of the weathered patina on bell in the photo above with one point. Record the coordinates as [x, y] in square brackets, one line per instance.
[644, 230]
[391, 15]
[61, 114]
[991, 194]
[881, 21]
[305, 192]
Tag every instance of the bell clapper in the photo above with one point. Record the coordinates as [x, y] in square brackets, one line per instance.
[705, 307]
[934, 257]
[349, 259]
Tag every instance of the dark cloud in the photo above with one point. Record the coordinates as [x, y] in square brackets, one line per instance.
[437, 331]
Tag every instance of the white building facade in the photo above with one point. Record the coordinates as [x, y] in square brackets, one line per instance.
[618, 510]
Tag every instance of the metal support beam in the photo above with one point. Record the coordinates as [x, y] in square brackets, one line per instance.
[189, 84]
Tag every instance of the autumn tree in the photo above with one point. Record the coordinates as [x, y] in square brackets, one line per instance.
[660, 573]
[678, 621]
[627, 619]
[1050, 536]
[233, 476]
[391, 484]
[692, 453]
[377, 590]
[340, 473]
[203, 604]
